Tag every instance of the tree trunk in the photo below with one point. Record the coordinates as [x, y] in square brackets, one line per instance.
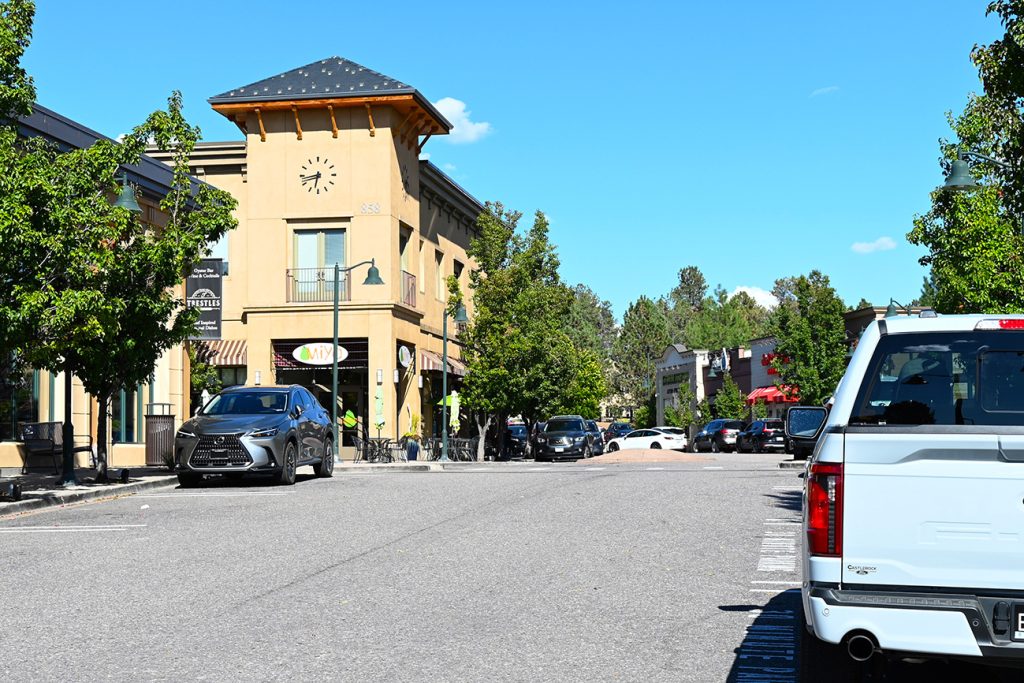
[481, 448]
[67, 477]
[502, 427]
[101, 438]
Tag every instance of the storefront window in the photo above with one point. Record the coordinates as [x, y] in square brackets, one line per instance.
[232, 376]
[19, 403]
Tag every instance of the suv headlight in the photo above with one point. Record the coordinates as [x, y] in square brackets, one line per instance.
[542, 439]
[580, 439]
[184, 434]
[264, 433]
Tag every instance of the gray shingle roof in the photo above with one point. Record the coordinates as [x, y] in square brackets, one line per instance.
[334, 77]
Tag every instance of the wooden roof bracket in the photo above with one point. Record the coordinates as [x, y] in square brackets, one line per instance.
[369, 114]
[414, 130]
[263, 131]
[399, 133]
[334, 124]
[298, 126]
[420, 148]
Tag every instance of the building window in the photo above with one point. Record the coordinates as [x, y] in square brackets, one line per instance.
[439, 274]
[319, 248]
[457, 269]
[123, 422]
[232, 376]
[19, 403]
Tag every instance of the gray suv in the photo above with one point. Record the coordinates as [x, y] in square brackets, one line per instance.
[257, 430]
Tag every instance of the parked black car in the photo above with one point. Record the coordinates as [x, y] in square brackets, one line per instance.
[516, 441]
[718, 436]
[762, 435]
[597, 437]
[564, 436]
[617, 429]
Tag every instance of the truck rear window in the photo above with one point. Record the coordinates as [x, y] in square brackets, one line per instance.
[963, 378]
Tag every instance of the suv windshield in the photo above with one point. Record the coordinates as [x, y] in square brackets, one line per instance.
[247, 403]
[592, 426]
[734, 424]
[773, 424]
[517, 430]
[564, 426]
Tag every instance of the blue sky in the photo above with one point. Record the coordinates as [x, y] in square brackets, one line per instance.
[755, 140]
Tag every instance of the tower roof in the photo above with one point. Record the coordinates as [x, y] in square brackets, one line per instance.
[334, 80]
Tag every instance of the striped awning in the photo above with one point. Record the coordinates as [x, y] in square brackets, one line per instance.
[223, 352]
[432, 361]
[772, 395]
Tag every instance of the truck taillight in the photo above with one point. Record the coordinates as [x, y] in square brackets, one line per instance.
[825, 509]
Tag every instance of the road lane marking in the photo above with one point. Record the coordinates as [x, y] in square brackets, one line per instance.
[539, 469]
[593, 469]
[714, 468]
[69, 529]
[654, 469]
[210, 495]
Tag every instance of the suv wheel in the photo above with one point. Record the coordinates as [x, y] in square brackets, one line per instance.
[714, 446]
[758, 448]
[612, 447]
[588, 452]
[189, 480]
[287, 474]
[326, 466]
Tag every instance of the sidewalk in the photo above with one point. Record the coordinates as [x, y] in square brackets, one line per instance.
[40, 489]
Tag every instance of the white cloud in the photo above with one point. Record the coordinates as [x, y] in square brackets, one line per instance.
[825, 91]
[449, 167]
[464, 130]
[881, 244]
[761, 296]
[425, 156]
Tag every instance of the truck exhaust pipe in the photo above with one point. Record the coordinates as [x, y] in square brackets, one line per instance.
[861, 648]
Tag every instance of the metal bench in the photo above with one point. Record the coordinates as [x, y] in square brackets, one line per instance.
[42, 439]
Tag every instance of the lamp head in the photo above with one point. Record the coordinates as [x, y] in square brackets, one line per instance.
[460, 314]
[126, 200]
[373, 275]
[960, 178]
[891, 310]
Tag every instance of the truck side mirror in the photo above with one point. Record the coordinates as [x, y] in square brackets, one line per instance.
[803, 426]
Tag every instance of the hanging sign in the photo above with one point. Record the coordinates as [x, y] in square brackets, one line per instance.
[404, 356]
[203, 289]
[318, 353]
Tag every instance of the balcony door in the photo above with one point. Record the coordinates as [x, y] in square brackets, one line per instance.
[315, 253]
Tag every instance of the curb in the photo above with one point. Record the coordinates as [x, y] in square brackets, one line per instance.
[61, 499]
[386, 467]
[792, 464]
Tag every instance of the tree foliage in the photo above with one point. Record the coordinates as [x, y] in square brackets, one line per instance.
[725, 322]
[520, 359]
[590, 324]
[811, 349]
[975, 248]
[642, 340]
[684, 300]
[730, 403]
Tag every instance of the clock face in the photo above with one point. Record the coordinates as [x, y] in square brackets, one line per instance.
[317, 175]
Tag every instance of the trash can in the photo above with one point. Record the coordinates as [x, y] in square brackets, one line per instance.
[412, 449]
[159, 440]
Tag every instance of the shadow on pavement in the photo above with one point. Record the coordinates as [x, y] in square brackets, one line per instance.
[787, 500]
[770, 648]
[221, 481]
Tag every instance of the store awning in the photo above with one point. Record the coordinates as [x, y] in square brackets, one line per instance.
[771, 394]
[432, 361]
[223, 352]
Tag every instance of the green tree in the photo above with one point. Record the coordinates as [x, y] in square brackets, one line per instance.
[684, 300]
[975, 248]
[726, 322]
[520, 360]
[811, 348]
[681, 412]
[642, 340]
[730, 403]
[591, 324]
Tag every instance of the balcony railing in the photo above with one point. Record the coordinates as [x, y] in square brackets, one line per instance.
[304, 285]
[408, 289]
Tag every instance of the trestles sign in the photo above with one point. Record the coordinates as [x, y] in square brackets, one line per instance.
[318, 353]
[203, 289]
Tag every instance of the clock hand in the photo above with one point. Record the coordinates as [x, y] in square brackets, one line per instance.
[316, 179]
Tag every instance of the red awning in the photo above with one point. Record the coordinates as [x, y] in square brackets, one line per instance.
[771, 394]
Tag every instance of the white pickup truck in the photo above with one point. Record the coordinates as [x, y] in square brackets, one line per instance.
[914, 497]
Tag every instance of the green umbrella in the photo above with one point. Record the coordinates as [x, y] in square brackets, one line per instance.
[378, 409]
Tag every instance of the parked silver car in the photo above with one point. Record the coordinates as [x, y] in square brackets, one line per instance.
[257, 430]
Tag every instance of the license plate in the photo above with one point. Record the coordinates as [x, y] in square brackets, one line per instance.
[1018, 622]
[559, 449]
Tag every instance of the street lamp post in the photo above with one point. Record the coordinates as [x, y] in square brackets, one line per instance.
[372, 278]
[460, 317]
[960, 177]
[891, 310]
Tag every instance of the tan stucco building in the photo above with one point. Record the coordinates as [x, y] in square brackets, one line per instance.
[329, 172]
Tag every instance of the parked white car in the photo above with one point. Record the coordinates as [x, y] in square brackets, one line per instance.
[914, 497]
[655, 438]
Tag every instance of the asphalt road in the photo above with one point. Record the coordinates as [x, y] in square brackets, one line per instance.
[497, 571]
